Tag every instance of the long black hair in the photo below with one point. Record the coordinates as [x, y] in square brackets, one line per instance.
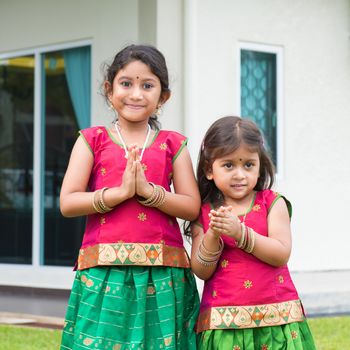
[223, 137]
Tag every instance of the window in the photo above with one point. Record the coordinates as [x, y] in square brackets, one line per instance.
[44, 101]
[260, 97]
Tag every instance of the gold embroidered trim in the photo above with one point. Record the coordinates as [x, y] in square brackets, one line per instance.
[144, 254]
[252, 316]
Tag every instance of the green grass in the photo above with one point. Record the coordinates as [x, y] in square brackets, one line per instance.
[26, 338]
[330, 333]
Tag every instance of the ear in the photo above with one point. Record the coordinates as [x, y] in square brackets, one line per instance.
[164, 97]
[108, 89]
[209, 175]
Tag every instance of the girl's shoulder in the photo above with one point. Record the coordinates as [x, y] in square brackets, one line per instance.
[94, 135]
[171, 141]
[93, 131]
[171, 135]
[269, 197]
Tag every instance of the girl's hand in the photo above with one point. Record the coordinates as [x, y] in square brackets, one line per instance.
[142, 187]
[128, 185]
[225, 222]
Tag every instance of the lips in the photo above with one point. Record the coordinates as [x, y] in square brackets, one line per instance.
[132, 106]
[238, 186]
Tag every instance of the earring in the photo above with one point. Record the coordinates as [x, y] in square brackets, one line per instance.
[111, 107]
[158, 111]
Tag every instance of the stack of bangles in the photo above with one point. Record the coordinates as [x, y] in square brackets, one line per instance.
[206, 257]
[157, 197]
[247, 240]
[98, 202]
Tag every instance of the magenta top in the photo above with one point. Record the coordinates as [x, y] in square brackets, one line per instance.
[245, 292]
[132, 234]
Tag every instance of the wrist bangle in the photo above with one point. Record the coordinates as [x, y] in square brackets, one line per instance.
[98, 202]
[157, 197]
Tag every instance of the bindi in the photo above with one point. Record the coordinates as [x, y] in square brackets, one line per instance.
[137, 77]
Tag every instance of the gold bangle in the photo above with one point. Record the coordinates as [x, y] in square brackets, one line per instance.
[150, 198]
[101, 201]
[243, 238]
[251, 244]
[98, 203]
[221, 247]
[156, 199]
[93, 203]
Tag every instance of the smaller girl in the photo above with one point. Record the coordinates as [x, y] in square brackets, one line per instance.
[241, 246]
[134, 288]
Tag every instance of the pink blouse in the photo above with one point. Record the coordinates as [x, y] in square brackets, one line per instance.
[245, 292]
[132, 234]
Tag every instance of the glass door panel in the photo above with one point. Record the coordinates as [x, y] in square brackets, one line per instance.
[16, 159]
[62, 236]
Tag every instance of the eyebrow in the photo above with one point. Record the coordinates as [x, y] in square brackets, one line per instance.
[129, 78]
[224, 160]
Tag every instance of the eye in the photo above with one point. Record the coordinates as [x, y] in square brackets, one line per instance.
[147, 86]
[249, 165]
[125, 83]
[228, 165]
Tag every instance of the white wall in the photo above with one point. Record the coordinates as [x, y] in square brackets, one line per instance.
[199, 39]
[109, 25]
[315, 38]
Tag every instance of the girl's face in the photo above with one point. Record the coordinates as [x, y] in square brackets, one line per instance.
[136, 93]
[236, 174]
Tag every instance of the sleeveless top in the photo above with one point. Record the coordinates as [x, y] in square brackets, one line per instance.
[132, 234]
[245, 292]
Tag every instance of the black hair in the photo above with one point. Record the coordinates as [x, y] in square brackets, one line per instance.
[150, 56]
[223, 137]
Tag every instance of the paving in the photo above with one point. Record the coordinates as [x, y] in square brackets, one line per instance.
[325, 293]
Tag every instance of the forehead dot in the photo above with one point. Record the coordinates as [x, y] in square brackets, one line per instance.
[137, 77]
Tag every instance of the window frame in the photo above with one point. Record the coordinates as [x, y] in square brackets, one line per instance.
[278, 51]
[27, 273]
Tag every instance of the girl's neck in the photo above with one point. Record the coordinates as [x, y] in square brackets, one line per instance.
[133, 133]
[240, 206]
[133, 128]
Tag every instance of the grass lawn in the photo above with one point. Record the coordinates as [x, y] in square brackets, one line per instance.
[26, 338]
[330, 333]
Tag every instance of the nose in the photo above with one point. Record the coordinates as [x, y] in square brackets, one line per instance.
[136, 93]
[239, 173]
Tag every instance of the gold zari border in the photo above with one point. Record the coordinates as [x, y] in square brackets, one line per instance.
[143, 254]
[252, 316]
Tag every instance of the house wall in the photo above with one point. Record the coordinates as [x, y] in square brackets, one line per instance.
[200, 39]
[314, 37]
[108, 25]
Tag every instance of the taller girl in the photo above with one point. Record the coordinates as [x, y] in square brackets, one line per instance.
[241, 245]
[133, 288]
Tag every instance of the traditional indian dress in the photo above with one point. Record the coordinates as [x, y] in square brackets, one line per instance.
[248, 304]
[133, 288]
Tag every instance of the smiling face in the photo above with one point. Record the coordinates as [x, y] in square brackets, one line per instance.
[236, 174]
[136, 93]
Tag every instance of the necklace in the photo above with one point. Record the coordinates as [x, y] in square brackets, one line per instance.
[116, 125]
[245, 214]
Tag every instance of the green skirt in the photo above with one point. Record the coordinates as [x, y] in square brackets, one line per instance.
[293, 336]
[132, 307]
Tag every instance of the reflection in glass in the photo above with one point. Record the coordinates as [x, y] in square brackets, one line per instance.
[62, 235]
[259, 93]
[16, 159]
